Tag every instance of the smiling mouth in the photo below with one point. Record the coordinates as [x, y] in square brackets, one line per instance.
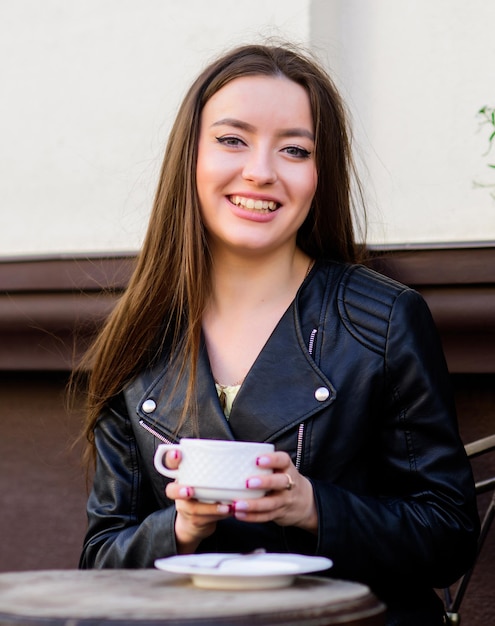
[261, 206]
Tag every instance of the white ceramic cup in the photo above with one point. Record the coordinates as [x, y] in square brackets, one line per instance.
[216, 469]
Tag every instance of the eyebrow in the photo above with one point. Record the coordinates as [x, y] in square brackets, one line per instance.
[286, 132]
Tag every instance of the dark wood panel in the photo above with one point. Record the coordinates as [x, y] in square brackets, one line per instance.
[417, 265]
[63, 273]
[50, 306]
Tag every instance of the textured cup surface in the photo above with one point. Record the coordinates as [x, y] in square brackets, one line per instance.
[216, 469]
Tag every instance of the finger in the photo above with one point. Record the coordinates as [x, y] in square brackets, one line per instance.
[172, 459]
[284, 507]
[278, 481]
[176, 491]
[184, 495]
[204, 512]
[201, 510]
[275, 460]
[259, 510]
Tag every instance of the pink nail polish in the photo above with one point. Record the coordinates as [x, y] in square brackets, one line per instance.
[253, 483]
[262, 460]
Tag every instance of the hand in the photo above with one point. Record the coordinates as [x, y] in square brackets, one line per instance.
[195, 520]
[289, 501]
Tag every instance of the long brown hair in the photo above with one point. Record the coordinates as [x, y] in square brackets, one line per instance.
[166, 295]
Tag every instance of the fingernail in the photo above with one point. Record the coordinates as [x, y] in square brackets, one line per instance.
[184, 492]
[253, 482]
[263, 460]
[240, 506]
[223, 509]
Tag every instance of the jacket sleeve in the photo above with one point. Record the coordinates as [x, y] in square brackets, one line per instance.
[126, 526]
[418, 518]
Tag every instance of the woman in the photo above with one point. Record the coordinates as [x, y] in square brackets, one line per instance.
[248, 318]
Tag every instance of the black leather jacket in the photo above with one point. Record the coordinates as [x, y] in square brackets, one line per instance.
[379, 442]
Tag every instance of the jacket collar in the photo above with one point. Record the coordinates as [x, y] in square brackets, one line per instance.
[283, 388]
[279, 391]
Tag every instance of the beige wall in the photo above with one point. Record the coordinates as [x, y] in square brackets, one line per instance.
[89, 90]
[415, 73]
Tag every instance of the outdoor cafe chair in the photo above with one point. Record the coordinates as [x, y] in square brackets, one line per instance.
[453, 600]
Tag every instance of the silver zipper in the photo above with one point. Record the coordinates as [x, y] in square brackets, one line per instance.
[311, 343]
[300, 432]
[154, 432]
[300, 441]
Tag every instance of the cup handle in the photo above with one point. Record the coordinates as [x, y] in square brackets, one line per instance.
[159, 457]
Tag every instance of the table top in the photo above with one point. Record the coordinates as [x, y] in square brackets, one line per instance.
[148, 597]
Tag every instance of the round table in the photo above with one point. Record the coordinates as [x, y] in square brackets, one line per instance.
[158, 598]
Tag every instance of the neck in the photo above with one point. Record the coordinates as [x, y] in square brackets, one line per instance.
[240, 282]
[248, 299]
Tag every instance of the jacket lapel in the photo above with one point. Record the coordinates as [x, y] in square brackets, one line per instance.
[168, 395]
[279, 391]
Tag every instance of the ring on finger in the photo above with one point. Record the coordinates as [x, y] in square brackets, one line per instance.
[290, 483]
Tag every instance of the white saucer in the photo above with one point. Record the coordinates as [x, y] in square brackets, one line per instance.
[243, 571]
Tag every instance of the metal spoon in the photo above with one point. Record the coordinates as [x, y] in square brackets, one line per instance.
[230, 557]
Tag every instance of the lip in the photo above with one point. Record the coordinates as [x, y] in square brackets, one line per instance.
[252, 214]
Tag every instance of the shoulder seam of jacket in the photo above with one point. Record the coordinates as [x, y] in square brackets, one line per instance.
[365, 302]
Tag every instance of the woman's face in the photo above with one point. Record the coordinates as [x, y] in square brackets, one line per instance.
[256, 171]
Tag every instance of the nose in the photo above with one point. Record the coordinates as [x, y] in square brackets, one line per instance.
[260, 167]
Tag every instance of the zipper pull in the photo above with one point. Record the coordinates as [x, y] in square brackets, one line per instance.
[154, 432]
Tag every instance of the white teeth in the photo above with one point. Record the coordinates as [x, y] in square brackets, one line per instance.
[257, 205]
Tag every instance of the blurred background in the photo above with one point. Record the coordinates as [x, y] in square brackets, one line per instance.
[90, 90]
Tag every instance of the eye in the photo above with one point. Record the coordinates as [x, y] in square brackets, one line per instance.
[297, 152]
[230, 141]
